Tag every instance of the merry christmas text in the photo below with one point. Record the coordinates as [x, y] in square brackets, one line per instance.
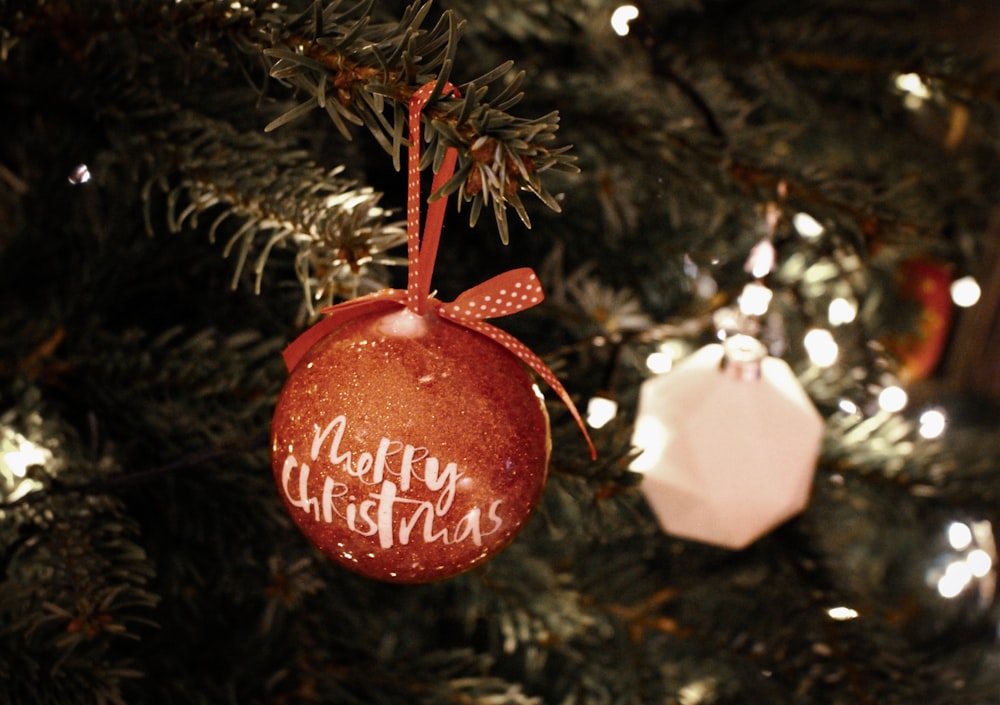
[392, 469]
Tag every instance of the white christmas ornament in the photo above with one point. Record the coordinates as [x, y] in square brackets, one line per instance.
[729, 444]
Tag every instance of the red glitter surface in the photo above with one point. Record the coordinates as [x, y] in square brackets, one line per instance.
[408, 448]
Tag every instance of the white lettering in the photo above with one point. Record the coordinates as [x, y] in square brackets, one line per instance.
[387, 513]
[303, 501]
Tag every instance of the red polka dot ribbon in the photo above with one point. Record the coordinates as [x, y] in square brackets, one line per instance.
[502, 295]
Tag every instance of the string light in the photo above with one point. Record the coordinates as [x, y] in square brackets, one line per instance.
[600, 411]
[697, 692]
[659, 362]
[79, 175]
[662, 359]
[17, 454]
[621, 17]
[956, 576]
[959, 535]
[912, 83]
[842, 614]
[980, 563]
[914, 88]
[848, 407]
[932, 423]
[974, 558]
[807, 226]
[755, 299]
[821, 348]
[965, 291]
[892, 399]
[761, 260]
[841, 311]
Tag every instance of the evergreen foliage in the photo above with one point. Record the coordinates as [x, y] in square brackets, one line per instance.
[146, 555]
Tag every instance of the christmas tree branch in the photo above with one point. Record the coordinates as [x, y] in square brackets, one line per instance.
[273, 191]
[356, 70]
[75, 583]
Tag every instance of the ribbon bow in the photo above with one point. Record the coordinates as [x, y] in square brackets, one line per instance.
[502, 295]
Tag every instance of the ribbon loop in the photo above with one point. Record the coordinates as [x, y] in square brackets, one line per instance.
[423, 251]
[502, 295]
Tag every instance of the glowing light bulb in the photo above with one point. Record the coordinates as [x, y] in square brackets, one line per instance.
[848, 406]
[821, 347]
[932, 423]
[892, 399]
[761, 259]
[79, 175]
[842, 613]
[19, 454]
[913, 84]
[659, 362]
[807, 226]
[965, 291]
[662, 360]
[956, 576]
[959, 535]
[600, 411]
[841, 311]
[980, 563]
[755, 299]
[620, 18]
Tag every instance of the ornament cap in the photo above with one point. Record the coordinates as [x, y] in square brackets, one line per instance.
[742, 357]
[404, 323]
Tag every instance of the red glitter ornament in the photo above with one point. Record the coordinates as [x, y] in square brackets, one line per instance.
[410, 443]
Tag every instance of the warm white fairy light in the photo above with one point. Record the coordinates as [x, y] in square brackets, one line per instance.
[841, 311]
[807, 226]
[973, 558]
[980, 563]
[620, 18]
[755, 299]
[79, 175]
[842, 613]
[697, 692]
[660, 362]
[666, 354]
[959, 535]
[956, 577]
[892, 399]
[965, 291]
[17, 453]
[600, 411]
[913, 84]
[761, 260]
[821, 347]
[932, 423]
[848, 406]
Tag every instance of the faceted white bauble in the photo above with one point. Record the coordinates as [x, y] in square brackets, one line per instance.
[729, 444]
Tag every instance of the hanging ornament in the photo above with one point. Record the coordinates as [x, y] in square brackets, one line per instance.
[729, 443]
[926, 282]
[409, 443]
